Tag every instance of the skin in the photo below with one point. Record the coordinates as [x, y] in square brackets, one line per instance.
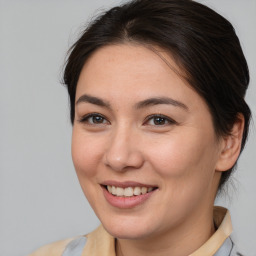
[181, 155]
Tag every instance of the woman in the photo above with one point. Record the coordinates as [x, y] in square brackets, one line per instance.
[159, 120]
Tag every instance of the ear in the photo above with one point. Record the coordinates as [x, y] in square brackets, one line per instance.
[231, 146]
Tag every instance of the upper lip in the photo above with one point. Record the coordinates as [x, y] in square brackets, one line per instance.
[126, 184]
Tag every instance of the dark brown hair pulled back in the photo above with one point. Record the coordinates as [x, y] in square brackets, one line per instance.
[203, 43]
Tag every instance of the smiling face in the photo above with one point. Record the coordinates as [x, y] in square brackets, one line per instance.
[143, 132]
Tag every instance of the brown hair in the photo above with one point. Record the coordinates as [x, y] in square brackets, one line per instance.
[202, 41]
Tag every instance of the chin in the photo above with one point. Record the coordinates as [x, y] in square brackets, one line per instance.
[127, 228]
[131, 233]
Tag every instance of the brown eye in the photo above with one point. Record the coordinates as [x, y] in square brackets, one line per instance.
[97, 119]
[94, 119]
[159, 120]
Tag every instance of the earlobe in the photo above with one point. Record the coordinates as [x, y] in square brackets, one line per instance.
[231, 146]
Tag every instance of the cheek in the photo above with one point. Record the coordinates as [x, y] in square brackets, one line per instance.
[186, 167]
[184, 154]
[86, 153]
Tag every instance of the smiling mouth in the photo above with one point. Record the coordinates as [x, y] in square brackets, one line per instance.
[128, 191]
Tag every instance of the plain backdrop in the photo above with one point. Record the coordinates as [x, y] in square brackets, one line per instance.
[40, 197]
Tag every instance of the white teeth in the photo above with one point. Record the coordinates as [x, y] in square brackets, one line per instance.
[110, 189]
[113, 191]
[150, 189]
[119, 191]
[143, 190]
[136, 191]
[129, 191]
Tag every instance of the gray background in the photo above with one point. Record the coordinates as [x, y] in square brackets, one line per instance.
[40, 198]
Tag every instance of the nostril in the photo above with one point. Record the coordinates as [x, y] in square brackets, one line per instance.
[121, 156]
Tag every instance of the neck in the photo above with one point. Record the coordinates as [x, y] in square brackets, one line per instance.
[180, 241]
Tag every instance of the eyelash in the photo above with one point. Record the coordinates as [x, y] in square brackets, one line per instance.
[165, 119]
[85, 119]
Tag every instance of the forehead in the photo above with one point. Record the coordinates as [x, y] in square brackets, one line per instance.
[126, 73]
[128, 64]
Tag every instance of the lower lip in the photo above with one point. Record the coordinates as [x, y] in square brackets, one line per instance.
[126, 202]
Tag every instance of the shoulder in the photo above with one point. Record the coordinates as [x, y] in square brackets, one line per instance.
[235, 251]
[52, 249]
[98, 242]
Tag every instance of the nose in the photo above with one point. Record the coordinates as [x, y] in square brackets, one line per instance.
[123, 151]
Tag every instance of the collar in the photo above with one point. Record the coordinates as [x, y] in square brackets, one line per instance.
[100, 242]
[222, 220]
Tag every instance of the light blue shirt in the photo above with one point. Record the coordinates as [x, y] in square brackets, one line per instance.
[75, 248]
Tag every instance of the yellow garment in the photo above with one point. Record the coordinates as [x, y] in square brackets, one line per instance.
[100, 242]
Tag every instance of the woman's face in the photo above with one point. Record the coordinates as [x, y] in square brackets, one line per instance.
[143, 132]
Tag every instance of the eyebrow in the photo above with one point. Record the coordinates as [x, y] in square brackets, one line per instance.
[161, 100]
[93, 100]
[142, 104]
